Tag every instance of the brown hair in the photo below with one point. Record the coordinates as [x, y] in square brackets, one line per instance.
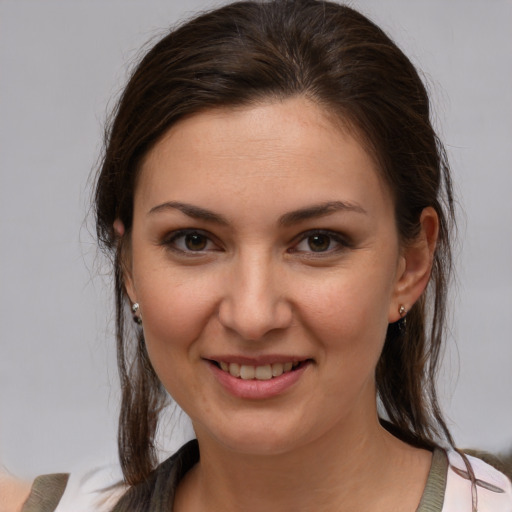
[253, 51]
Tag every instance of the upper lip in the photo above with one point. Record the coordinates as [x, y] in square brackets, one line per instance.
[257, 361]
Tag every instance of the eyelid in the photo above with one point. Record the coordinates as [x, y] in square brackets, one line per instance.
[169, 241]
[342, 241]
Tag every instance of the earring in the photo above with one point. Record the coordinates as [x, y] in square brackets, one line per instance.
[402, 323]
[136, 318]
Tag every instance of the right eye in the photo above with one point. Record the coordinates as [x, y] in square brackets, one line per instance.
[190, 241]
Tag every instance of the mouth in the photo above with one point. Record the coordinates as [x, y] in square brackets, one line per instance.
[262, 372]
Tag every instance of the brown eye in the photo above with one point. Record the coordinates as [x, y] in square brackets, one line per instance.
[195, 242]
[319, 243]
[191, 242]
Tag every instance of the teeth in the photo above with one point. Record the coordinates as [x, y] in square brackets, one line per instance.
[234, 369]
[247, 372]
[265, 372]
[277, 369]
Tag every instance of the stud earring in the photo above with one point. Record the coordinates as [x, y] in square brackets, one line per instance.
[137, 318]
[401, 310]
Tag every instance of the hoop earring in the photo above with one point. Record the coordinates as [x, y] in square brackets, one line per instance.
[137, 318]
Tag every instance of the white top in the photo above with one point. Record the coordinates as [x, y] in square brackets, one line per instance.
[100, 489]
[490, 482]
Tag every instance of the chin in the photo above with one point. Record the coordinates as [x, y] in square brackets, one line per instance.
[255, 436]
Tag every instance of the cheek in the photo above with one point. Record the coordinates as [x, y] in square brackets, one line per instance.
[348, 305]
[176, 318]
[349, 318]
[173, 321]
[175, 312]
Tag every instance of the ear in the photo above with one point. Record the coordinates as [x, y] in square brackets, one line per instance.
[125, 259]
[416, 264]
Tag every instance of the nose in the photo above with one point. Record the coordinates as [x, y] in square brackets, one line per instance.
[254, 301]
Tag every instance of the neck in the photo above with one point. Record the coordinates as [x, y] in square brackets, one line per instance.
[343, 472]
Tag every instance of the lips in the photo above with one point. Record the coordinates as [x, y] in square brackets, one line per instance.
[258, 379]
[259, 372]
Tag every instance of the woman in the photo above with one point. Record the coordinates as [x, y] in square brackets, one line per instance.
[279, 211]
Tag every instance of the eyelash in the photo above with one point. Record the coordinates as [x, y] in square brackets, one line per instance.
[171, 241]
[334, 238]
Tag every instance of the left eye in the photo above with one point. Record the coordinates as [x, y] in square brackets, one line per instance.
[319, 243]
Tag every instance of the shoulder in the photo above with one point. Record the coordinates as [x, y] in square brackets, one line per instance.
[14, 493]
[493, 488]
[96, 490]
[46, 493]
[158, 489]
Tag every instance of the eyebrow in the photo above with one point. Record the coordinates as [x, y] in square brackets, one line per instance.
[296, 216]
[191, 211]
[319, 210]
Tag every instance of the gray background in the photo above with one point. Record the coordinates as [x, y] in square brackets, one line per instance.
[61, 63]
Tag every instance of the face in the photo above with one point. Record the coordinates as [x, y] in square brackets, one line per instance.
[265, 259]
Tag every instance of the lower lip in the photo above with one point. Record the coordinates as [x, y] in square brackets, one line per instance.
[258, 389]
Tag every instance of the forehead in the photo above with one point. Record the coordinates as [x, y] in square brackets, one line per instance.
[286, 151]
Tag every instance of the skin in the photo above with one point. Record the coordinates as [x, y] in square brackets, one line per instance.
[256, 280]
[13, 492]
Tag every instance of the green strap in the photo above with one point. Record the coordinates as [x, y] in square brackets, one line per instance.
[433, 495]
[47, 490]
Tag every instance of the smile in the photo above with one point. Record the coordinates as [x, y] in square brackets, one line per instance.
[261, 381]
[264, 372]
